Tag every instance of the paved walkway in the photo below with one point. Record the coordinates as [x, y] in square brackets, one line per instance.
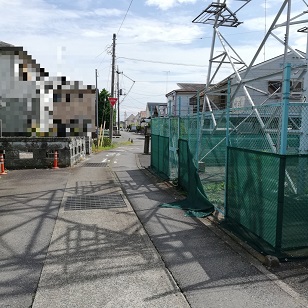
[128, 252]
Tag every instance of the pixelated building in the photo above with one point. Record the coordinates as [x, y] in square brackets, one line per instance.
[34, 104]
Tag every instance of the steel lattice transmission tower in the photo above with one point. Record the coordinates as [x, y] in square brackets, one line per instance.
[218, 15]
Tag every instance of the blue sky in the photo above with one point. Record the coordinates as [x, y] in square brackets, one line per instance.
[73, 38]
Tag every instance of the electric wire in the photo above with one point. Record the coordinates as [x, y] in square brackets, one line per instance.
[125, 17]
[162, 62]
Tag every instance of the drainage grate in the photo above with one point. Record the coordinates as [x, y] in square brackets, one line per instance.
[96, 165]
[92, 202]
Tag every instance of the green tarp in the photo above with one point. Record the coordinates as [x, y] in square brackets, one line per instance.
[196, 204]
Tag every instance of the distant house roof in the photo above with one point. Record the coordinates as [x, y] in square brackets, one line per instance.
[188, 87]
[131, 118]
[191, 86]
[3, 44]
[156, 104]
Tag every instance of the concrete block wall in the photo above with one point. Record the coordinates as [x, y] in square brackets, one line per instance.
[38, 152]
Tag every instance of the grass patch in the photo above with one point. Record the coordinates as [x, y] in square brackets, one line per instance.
[111, 146]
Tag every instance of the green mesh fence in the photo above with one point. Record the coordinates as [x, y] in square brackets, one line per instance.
[295, 203]
[160, 155]
[256, 134]
[196, 203]
[173, 146]
[155, 152]
[252, 188]
[265, 205]
[156, 126]
[212, 157]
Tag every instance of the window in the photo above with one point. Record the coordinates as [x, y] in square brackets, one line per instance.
[276, 86]
[296, 86]
[68, 98]
[57, 97]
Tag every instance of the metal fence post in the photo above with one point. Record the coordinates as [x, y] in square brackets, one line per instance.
[198, 131]
[180, 104]
[283, 152]
[227, 144]
[285, 109]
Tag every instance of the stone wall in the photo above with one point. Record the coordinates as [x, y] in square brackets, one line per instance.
[38, 152]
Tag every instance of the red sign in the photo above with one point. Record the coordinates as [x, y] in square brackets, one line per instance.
[112, 101]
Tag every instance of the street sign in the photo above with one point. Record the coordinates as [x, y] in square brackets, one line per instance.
[112, 100]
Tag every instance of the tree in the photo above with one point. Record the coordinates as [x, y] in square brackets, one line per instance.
[104, 109]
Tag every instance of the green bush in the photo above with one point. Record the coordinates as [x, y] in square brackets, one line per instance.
[106, 142]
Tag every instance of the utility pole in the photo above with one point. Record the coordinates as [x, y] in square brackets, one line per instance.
[118, 92]
[112, 87]
[96, 105]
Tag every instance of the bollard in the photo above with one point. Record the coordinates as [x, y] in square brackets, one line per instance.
[2, 169]
[55, 160]
[146, 144]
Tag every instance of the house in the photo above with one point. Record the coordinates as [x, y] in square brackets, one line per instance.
[142, 115]
[34, 104]
[217, 95]
[131, 120]
[156, 110]
[264, 81]
[263, 84]
[179, 99]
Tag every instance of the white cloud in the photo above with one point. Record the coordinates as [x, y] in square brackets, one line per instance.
[167, 4]
[108, 12]
[147, 30]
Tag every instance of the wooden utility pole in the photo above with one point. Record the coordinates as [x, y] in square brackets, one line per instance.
[118, 93]
[112, 86]
[96, 105]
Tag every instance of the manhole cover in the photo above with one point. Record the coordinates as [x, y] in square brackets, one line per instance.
[92, 202]
[96, 165]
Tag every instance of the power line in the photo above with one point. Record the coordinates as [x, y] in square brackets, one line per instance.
[125, 16]
[161, 62]
[185, 40]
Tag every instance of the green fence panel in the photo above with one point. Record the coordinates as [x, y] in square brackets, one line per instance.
[196, 203]
[183, 172]
[163, 149]
[155, 152]
[266, 194]
[160, 155]
[295, 205]
[155, 126]
[252, 188]
[173, 147]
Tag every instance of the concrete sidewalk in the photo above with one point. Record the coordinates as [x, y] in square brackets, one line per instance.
[210, 268]
[102, 257]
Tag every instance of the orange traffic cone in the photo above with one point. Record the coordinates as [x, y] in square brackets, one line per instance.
[55, 160]
[2, 169]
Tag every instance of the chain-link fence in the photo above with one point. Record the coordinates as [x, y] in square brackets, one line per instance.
[252, 165]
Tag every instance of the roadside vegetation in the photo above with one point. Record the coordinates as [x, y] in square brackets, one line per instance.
[107, 145]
